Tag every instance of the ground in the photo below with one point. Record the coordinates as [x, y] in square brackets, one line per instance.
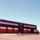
[6, 36]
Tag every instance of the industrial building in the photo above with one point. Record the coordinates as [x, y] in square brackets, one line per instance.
[7, 26]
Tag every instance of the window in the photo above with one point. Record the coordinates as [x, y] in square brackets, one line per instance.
[27, 29]
[10, 28]
[2, 27]
[15, 28]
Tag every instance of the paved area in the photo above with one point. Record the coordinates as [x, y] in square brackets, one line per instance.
[19, 37]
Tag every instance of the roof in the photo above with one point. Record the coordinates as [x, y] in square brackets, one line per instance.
[7, 22]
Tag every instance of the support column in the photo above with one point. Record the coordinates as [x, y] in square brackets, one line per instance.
[6, 29]
[21, 29]
[32, 30]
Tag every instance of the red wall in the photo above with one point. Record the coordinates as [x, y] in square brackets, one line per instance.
[8, 30]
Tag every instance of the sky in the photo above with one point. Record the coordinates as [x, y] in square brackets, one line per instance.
[27, 11]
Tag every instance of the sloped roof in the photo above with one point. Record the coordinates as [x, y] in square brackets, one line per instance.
[7, 22]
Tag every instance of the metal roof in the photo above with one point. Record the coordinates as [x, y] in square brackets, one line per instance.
[12, 22]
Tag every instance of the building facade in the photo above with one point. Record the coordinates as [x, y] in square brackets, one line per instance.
[7, 26]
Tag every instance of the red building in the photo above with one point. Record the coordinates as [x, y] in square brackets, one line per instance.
[7, 26]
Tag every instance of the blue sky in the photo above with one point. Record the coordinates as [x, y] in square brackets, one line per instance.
[27, 11]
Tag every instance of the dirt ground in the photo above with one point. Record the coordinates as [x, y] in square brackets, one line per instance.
[5, 36]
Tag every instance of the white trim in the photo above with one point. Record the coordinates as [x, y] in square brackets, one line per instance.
[29, 26]
[9, 23]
